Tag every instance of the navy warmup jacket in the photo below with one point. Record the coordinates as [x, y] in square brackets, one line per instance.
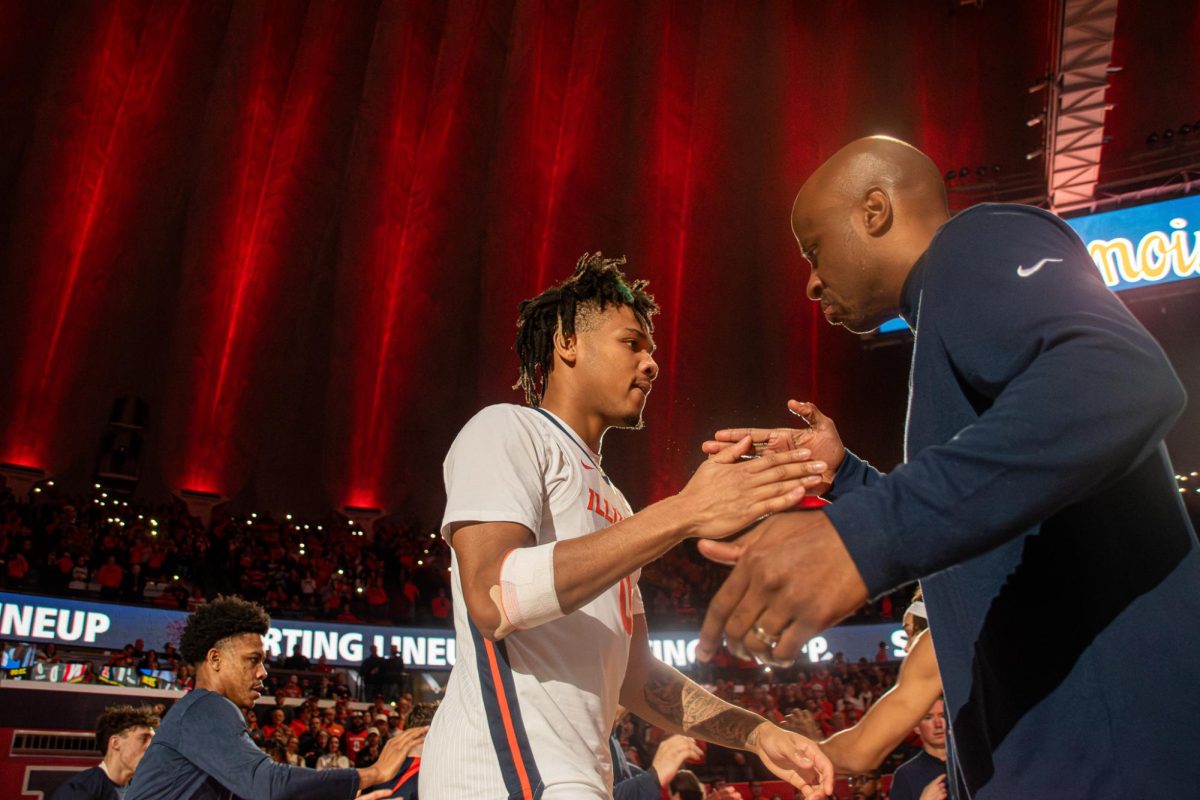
[1038, 506]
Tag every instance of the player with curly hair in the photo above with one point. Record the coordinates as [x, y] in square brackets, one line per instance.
[122, 735]
[203, 752]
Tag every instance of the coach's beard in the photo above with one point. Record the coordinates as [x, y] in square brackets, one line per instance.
[635, 423]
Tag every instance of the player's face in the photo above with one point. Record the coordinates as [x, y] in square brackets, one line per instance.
[842, 276]
[615, 366]
[932, 727]
[243, 669]
[131, 746]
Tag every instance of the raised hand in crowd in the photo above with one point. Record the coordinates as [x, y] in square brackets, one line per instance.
[671, 755]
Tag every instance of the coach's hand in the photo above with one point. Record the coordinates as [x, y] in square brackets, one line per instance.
[819, 436]
[794, 759]
[391, 758]
[792, 579]
[726, 493]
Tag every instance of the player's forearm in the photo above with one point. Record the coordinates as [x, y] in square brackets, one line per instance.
[586, 567]
[369, 776]
[677, 704]
[849, 755]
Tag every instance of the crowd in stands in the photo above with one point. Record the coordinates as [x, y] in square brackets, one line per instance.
[332, 735]
[112, 548]
[117, 549]
[120, 550]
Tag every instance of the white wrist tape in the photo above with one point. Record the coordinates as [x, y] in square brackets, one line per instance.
[526, 595]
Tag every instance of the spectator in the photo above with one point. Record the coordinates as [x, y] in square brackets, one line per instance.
[276, 750]
[370, 750]
[293, 752]
[333, 757]
[299, 725]
[394, 674]
[278, 722]
[48, 654]
[686, 786]
[110, 576]
[440, 606]
[372, 672]
[297, 661]
[316, 747]
[919, 772]
[865, 786]
[356, 734]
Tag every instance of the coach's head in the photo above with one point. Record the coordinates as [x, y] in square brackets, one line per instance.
[862, 221]
[223, 640]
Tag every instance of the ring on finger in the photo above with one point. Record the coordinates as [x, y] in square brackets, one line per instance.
[770, 640]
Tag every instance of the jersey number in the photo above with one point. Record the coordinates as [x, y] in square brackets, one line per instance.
[627, 604]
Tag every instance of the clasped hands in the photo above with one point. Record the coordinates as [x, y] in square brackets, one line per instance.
[792, 576]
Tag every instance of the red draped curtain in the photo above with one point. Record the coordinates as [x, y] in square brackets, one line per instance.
[300, 230]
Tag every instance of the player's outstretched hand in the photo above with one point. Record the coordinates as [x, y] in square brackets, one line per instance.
[936, 790]
[672, 752]
[795, 759]
[819, 436]
[726, 493]
[391, 758]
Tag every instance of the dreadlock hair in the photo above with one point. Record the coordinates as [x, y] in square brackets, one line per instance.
[596, 284]
[218, 620]
[117, 719]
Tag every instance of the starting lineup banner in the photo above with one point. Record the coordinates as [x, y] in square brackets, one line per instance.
[110, 626]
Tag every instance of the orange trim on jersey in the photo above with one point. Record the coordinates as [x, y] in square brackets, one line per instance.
[506, 716]
[413, 770]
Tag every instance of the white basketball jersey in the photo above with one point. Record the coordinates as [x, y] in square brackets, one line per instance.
[530, 716]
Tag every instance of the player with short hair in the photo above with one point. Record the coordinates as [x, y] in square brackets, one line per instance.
[122, 735]
[546, 554]
[202, 750]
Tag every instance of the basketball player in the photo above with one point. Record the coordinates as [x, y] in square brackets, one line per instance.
[551, 633]
[202, 750]
[122, 735]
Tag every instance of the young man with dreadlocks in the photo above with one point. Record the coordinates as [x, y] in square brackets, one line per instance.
[202, 750]
[546, 554]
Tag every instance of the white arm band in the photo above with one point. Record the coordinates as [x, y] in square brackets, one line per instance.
[526, 595]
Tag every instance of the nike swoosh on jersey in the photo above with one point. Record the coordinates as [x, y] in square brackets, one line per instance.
[1025, 273]
[585, 465]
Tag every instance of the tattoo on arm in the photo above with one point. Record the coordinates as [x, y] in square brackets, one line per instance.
[698, 712]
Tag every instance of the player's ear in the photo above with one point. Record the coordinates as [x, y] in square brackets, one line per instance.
[566, 346]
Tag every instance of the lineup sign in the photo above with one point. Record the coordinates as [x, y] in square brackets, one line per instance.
[109, 626]
[1151, 245]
